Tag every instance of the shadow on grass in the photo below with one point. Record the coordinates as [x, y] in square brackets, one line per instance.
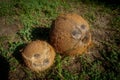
[17, 53]
[40, 33]
[4, 68]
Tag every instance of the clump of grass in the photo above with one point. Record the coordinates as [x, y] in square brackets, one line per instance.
[114, 53]
[6, 8]
[36, 13]
[115, 22]
[25, 34]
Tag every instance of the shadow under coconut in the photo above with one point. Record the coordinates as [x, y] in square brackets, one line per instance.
[4, 68]
[40, 33]
[17, 53]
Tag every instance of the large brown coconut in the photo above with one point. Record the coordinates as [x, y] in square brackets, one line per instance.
[38, 55]
[70, 34]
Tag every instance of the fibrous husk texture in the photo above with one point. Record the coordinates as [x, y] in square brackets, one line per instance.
[70, 34]
[38, 55]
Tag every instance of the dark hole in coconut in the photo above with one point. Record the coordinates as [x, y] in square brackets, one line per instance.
[86, 38]
[34, 64]
[76, 34]
[46, 61]
[82, 26]
[37, 55]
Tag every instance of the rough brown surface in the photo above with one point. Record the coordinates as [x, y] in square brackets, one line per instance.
[38, 55]
[70, 34]
[8, 29]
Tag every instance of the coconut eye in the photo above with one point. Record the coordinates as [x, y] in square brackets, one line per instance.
[86, 38]
[46, 61]
[82, 26]
[76, 34]
[37, 64]
[36, 55]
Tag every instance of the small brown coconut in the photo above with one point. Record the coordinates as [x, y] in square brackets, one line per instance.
[70, 34]
[38, 55]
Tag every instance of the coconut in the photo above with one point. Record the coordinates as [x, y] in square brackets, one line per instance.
[38, 55]
[70, 34]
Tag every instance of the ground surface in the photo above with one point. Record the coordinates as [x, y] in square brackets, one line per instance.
[23, 21]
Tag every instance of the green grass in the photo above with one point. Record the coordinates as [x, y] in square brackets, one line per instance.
[37, 16]
[115, 22]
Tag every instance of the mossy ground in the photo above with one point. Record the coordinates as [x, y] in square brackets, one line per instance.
[22, 21]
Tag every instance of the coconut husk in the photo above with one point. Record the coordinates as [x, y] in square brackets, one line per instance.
[38, 55]
[70, 34]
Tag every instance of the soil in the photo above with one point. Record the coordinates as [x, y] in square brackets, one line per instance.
[8, 29]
